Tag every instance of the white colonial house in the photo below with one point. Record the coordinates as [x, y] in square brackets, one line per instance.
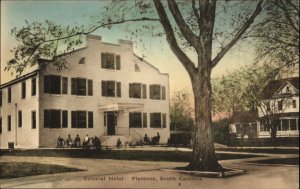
[280, 101]
[106, 91]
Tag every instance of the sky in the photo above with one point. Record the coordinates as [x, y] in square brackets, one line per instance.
[158, 53]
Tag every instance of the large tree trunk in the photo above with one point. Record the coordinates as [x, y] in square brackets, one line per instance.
[204, 157]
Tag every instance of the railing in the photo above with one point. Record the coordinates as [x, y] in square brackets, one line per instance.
[136, 135]
[122, 130]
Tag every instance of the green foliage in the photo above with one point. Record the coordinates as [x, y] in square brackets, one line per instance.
[221, 131]
[242, 89]
[277, 35]
[181, 112]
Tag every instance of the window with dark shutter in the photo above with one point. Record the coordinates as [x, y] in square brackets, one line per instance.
[33, 86]
[0, 98]
[64, 119]
[163, 93]
[74, 119]
[23, 90]
[135, 120]
[81, 119]
[47, 119]
[0, 125]
[9, 123]
[73, 86]
[155, 120]
[279, 105]
[144, 91]
[9, 94]
[164, 120]
[110, 61]
[81, 87]
[90, 87]
[144, 120]
[20, 118]
[90, 120]
[55, 85]
[110, 89]
[47, 84]
[118, 62]
[155, 92]
[103, 60]
[119, 89]
[33, 119]
[64, 85]
[103, 88]
[55, 119]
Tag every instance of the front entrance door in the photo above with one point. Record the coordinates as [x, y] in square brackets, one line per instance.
[111, 123]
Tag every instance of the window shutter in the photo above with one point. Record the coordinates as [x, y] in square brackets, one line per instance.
[103, 60]
[90, 87]
[130, 90]
[74, 86]
[144, 91]
[164, 120]
[64, 85]
[47, 119]
[74, 119]
[145, 120]
[163, 92]
[103, 88]
[64, 119]
[118, 62]
[151, 91]
[90, 120]
[47, 84]
[119, 89]
[33, 87]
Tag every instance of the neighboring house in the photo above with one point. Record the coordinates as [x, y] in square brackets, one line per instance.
[280, 103]
[106, 91]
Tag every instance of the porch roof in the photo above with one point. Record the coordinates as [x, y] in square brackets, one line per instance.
[129, 107]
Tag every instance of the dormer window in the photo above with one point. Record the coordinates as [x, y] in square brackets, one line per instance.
[82, 60]
[110, 61]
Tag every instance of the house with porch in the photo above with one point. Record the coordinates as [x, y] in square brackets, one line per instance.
[106, 91]
[280, 101]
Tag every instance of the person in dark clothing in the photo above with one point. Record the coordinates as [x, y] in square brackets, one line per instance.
[77, 141]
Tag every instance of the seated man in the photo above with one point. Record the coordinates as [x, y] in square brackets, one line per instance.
[155, 140]
[146, 139]
[69, 141]
[86, 141]
[77, 141]
[97, 143]
[60, 142]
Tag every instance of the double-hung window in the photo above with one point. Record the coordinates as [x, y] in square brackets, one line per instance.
[111, 88]
[157, 92]
[110, 61]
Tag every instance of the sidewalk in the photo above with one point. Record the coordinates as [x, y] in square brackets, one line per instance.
[104, 173]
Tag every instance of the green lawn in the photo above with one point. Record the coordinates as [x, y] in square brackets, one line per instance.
[22, 169]
[285, 161]
[174, 156]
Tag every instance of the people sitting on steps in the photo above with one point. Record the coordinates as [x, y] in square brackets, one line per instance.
[77, 141]
[60, 142]
[69, 141]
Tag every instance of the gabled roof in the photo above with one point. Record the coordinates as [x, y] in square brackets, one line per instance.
[275, 85]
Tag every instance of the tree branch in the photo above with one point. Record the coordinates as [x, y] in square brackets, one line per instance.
[103, 25]
[239, 34]
[274, 39]
[183, 27]
[183, 58]
[288, 17]
[195, 11]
